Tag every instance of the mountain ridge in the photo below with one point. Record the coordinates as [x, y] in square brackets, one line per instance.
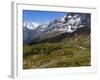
[68, 24]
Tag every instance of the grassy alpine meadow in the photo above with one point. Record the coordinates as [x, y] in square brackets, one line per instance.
[72, 52]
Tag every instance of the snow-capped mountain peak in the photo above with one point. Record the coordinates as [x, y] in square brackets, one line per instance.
[63, 18]
[31, 25]
[42, 27]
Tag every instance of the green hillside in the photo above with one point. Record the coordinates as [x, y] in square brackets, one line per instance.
[72, 51]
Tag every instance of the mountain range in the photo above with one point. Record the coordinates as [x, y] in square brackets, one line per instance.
[70, 24]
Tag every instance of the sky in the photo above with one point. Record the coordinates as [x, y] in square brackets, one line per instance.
[41, 17]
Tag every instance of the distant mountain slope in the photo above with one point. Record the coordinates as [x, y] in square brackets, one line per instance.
[59, 38]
